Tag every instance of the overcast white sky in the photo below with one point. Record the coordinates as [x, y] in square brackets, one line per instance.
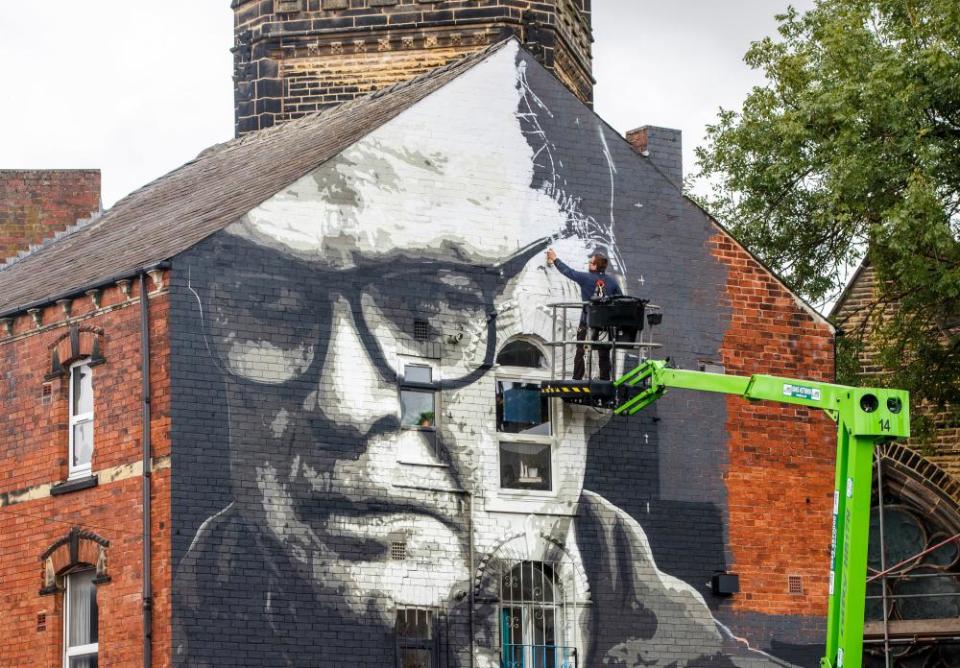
[138, 88]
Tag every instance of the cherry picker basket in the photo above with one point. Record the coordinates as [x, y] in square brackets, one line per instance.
[623, 314]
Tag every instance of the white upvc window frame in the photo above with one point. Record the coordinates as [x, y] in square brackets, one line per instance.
[78, 651]
[523, 374]
[430, 456]
[82, 470]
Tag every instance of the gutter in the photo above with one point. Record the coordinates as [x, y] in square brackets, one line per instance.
[72, 292]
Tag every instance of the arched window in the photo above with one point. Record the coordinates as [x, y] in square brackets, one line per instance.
[532, 618]
[913, 575]
[522, 353]
[76, 565]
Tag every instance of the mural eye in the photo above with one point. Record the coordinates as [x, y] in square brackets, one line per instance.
[444, 300]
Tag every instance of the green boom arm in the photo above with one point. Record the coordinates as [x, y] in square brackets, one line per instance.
[864, 417]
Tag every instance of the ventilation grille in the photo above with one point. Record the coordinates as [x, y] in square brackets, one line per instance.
[46, 393]
[795, 584]
[421, 330]
[398, 550]
[41, 621]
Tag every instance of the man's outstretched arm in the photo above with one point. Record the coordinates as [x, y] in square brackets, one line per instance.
[581, 277]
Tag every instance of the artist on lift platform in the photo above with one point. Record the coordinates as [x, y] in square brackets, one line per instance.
[594, 283]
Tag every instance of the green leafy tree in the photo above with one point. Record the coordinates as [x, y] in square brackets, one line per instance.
[851, 150]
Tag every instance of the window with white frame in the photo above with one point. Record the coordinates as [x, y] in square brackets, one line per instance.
[81, 419]
[80, 623]
[418, 411]
[524, 424]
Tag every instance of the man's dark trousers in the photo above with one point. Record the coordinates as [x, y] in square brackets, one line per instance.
[603, 353]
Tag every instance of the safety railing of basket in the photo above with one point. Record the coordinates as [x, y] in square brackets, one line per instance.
[624, 354]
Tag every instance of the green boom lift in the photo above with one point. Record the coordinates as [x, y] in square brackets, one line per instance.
[865, 417]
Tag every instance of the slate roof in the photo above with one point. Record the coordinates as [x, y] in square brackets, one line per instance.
[180, 209]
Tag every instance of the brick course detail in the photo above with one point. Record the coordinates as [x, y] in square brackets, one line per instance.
[295, 58]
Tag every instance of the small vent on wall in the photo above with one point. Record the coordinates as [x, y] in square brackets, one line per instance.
[795, 584]
[41, 621]
[46, 393]
[398, 550]
[421, 330]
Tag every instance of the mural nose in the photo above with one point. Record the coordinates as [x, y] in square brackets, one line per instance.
[351, 391]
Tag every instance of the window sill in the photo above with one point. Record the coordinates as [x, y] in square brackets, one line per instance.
[530, 504]
[525, 438]
[75, 485]
[426, 464]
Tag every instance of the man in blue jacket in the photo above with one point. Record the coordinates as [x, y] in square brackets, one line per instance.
[594, 283]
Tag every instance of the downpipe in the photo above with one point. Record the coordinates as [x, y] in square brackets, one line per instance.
[147, 594]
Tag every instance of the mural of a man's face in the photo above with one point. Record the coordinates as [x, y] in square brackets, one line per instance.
[338, 306]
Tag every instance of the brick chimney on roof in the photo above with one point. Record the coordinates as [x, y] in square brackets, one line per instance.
[663, 147]
[35, 204]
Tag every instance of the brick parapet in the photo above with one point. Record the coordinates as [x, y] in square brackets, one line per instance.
[35, 204]
[33, 458]
[781, 458]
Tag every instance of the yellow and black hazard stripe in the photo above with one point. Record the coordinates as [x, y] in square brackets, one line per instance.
[567, 389]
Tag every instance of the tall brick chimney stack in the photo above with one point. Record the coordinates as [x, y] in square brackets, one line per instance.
[35, 204]
[294, 57]
[664, 148]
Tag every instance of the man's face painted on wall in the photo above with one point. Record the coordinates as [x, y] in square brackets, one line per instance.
[314, 335]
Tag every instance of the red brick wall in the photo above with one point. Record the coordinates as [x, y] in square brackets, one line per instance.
[33, 455]
[780, 480]
[35, 204]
